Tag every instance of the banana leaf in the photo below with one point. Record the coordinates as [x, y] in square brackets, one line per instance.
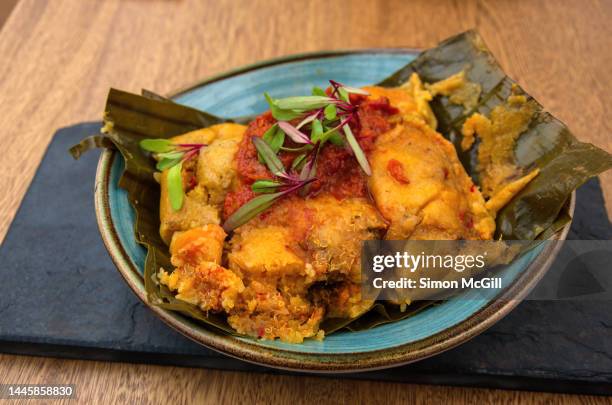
[564, 162]
[128, 119]
[537, 212]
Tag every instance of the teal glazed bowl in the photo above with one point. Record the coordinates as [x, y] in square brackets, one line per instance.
[428, 332]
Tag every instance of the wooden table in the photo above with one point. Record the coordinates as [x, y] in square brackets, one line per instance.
[60, 57]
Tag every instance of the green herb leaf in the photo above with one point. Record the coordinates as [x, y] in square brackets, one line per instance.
[277, 141]
[171, 155]
[307, 119]
[265, 186]
[270, 159]
[249, 210]
[330, 112]
[303, 103]
[317, 91]
[329, 133]
[309, 170]
[336, 139]
[175, 187]
[298, 161]
[359, 155]
[292, 132]
[269, 134]
[157, 145]
[279, 113]
[274, 138]
[167, 163]
[316, 131]
[343, 94]
[257, 205]
[304, 148]
[355, 90]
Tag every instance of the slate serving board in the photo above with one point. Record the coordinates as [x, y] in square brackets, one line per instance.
[61, 296]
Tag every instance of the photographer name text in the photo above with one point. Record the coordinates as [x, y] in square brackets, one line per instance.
[426, 282]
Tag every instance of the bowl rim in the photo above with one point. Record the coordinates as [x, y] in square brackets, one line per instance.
[241, 349]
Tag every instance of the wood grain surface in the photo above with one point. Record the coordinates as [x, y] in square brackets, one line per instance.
[60, 57]
[6, 6]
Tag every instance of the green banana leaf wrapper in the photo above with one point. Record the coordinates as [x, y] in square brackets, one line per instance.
[537, 212]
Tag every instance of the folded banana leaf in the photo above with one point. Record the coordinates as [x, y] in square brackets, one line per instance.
[564, 162]
[128, 119]
[538, 211]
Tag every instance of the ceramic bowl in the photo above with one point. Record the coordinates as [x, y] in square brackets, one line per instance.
[429, 332]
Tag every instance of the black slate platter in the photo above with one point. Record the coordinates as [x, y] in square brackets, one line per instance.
[61, 296]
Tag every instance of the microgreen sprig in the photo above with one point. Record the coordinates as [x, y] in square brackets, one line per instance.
[171, 157]
[258, 205]
[271, 190]
[295, 134]
[328, 116]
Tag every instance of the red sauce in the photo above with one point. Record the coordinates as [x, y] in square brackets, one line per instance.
[373, 120]
[249, 167]
[466, 219]
[189, 174]
[396, 170]
[339, 174]
[337, 169]
[469, 223]
[237, 198]
[291, 212]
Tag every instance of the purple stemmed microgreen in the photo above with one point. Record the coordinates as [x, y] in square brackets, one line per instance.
[279, 113]
[339, 87]
[309, 118]
[275, 138]
[359, 155]
[270, 190]
[170, 156]
[309, 167]
[322, 118]
[295, 134]
[258, 205]
[334, 112]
